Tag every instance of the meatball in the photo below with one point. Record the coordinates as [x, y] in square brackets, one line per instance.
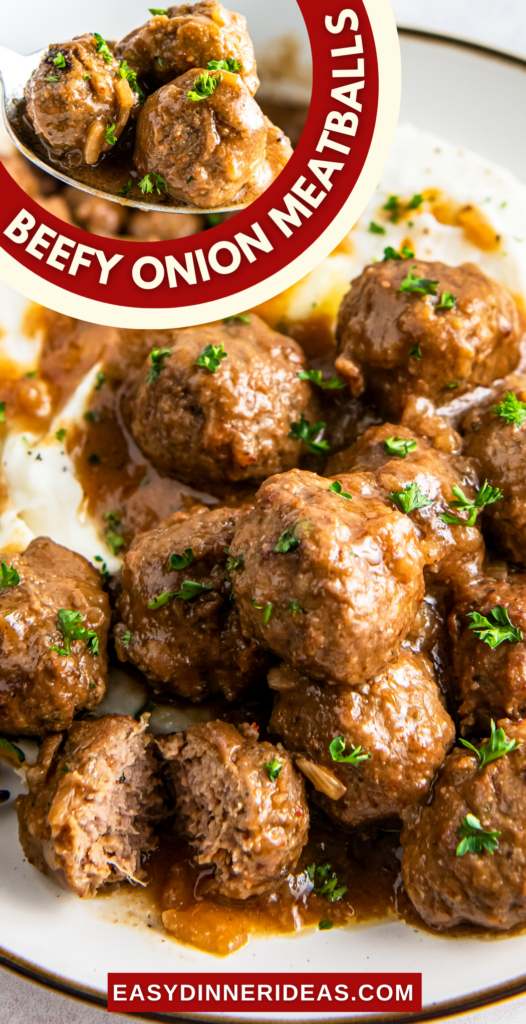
[155, 226]
[54, 620]
[477, 887]
[330, 584]
[100, 216]
[394, 344]
[396, 718]
[278, 152]
[243, 812]
[226, 421]
[496, 442]
[448, 549]
[80, 105]
[206, 148]
[489, 683]
[189, 36]
[93, 798]
[190, 644]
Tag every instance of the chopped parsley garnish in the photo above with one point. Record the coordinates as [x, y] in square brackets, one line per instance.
[392, 206]
[204, 86]
[486, 496]
[495, 628]
[15, 753]
[59, 61]
[240, 318]
[416, 202]
[86, 76]
[497, 746]
[124, 191]
[303, 431]
[71, 625]
[287, 542]
[160, 61]
[399, 446]
[64, 769]
[473, 837]
[295, 607]
[9, 576]
[416, 352]
[156, 358]
[315, 378]
[510, 409]
[410, 498]
[106, 576]
[273, 768]
[102, 48]
[109, 134]
[101, 377]
[189, 590]
[230, 64]
[2, 412]
[147, 709]
[337, 752]
[210, 358]
[126, 637]
[392, 254]
[336, 488]
[52, 78]
[447, 301]
[131, 77]
[325, 882]
[60, 434]
[112, 535]
[325, 925]
[182, 561]
[146, 185]
[158, 10]
[267, 613]
[32, 374]
[232, 564]
[419, 285]
[376, 229]
[159, 602]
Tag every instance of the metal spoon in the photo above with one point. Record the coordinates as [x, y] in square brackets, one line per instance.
[15, 70]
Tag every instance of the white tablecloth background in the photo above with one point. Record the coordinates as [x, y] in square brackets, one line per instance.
[498, 23]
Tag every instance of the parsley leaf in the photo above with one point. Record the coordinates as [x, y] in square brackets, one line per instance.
[15, 755]
[2, 412]
[376, 229]
[295, 607]
[182, 561]
[158, 10]
[71, 625]
[336, 488]
[495, 628]
[447, 301]
[9, 576]
[59, 61]
[287, 542]
[405, 254]
[131, 77]
[111, 535]
[393, 207]
[109, 134]
[156, 358]
[126, 637]
[231, 64]
[325, 925]
[159, 602]
[101, 377]
[52, 78]
[410, 498]
[60, 434]
[337, 752]
[267, 613]
[147, 709]
[204, 86]
[102, 48]
[303, 431]
[419, 285]
[189, 590]
[325, 882]
[241, 318]
[64, 769]
[273, 768]
[416, 202]
[146, 185]
[416, 351]
[474, 838]
[399, 446]
[210, 358]
[315, 378]
[124, 191]
[497, 746]
[511, 409]
[486, 496]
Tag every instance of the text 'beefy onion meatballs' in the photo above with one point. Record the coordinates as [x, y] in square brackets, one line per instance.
[189, 36]
[329, 581]
[397, 720]
[241, 803]
[489, 657]
[218, 406]
[54, 619]
[93, 798]
[396, 342]
[496, 442]
[78, 100]
[485, 804]
[177, 623]
[401, 460]
[204, 134]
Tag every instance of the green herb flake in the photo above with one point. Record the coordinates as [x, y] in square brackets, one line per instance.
[510, 409]
[59, 61]
[9, 576]
[158, 11]
[495, 628]
[160, 601]
[392, 254]
[303, 431]
[447, 301]
[157, 357]
[336, 488]
[230, 64]
[182, 561]
[325, 925]
[64, 769]
[418, 285]
[486, 496]
[474, 839]
[210, 358]
[124, 190]
[315, 377]
[130, 76]
[497, 746]
[410, 498]
[190, 590]
[52, 78]
[295, 607]
[86, 76]
[239, 318]
[71, 625]
[60, 434]
[126, 637]
[204, 87]
[106, 576]
[376, 229]
[2, 412]
[109, 134]
[147, 709]
[267, 613]
[287, 542]
[100, 378]
[273, 768]
[399, 446]
[15, 756]
[393, 207]
[354, 757]
[416, 202]
[232, 564]
[416, 352]
[102, 48]
[160, 61]
[325, 882]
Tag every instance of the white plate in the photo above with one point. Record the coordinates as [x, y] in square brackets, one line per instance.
[476, 99]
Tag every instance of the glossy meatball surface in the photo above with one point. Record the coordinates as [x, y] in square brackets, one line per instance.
[229, 423]
[489, 682]
[206, 149]
[481, 888]
[189, 644]
[79, 105]
[249, 823]
[396, 718]
[394, 344]
[189, 36]
[46, 677]
[330, 583]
